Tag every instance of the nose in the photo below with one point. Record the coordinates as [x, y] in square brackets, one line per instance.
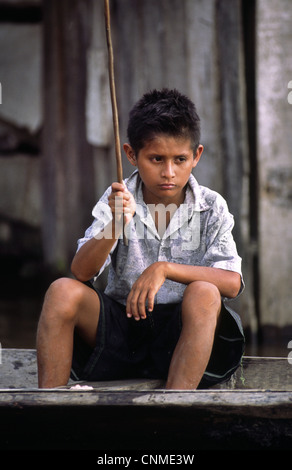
[168, 170]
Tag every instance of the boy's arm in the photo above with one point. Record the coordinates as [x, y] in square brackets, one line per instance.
[90, 258]
[92, 255]
[227, 282]
[150, 281]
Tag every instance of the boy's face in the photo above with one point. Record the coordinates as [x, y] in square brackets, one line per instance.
[165, 164]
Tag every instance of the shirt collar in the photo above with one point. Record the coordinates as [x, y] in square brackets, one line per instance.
[195, 194]
[195, 201]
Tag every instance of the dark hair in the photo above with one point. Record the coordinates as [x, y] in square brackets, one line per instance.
[163, 112]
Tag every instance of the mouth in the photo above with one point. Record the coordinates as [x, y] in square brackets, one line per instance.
[167, 186]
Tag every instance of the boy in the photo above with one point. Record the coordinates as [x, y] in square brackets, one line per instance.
[162, 314]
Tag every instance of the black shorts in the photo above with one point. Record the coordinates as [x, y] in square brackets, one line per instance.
[127, 348]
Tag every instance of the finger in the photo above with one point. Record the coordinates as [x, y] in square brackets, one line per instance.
[119, 195]
[120, 200]
[117, 202]
[129, 311]
[151, 299]
[136, 304]
[141, 304]
[118, 187]
[134, 309]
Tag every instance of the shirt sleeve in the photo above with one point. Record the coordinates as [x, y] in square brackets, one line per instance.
[102, 216]
[221, 251]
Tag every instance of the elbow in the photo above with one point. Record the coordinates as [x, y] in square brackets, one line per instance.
[80, 273]
[77, 272]
[232, 294]
[235, 286]
[80, 277]
[74, 269]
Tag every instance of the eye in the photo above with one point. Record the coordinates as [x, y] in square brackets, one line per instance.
[156, 158]
[181, 159]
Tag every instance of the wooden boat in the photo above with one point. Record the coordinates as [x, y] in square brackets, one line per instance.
[253, 410]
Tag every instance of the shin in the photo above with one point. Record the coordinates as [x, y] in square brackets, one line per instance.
[200, 310]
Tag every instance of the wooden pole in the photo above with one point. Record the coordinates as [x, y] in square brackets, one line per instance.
[114, 99]
[113, 92]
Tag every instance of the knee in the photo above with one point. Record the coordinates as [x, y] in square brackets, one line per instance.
[203, 296]
[203, 290]
[62, 299]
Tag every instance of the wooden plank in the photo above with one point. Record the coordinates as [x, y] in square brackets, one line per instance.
[109, 416]
[256, 403]
[18, 368]
[266, 373]
[62, 419]
[19, 371]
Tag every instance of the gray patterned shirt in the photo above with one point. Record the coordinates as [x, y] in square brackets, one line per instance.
[199, 233]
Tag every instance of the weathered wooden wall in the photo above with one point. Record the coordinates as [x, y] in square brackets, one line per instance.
[274, 123]
[67, 161]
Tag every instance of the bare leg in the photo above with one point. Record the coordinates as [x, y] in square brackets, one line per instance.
[68, 304]
[200, 310]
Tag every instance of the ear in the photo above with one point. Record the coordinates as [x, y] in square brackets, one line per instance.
[130, 154]
[198, 155]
